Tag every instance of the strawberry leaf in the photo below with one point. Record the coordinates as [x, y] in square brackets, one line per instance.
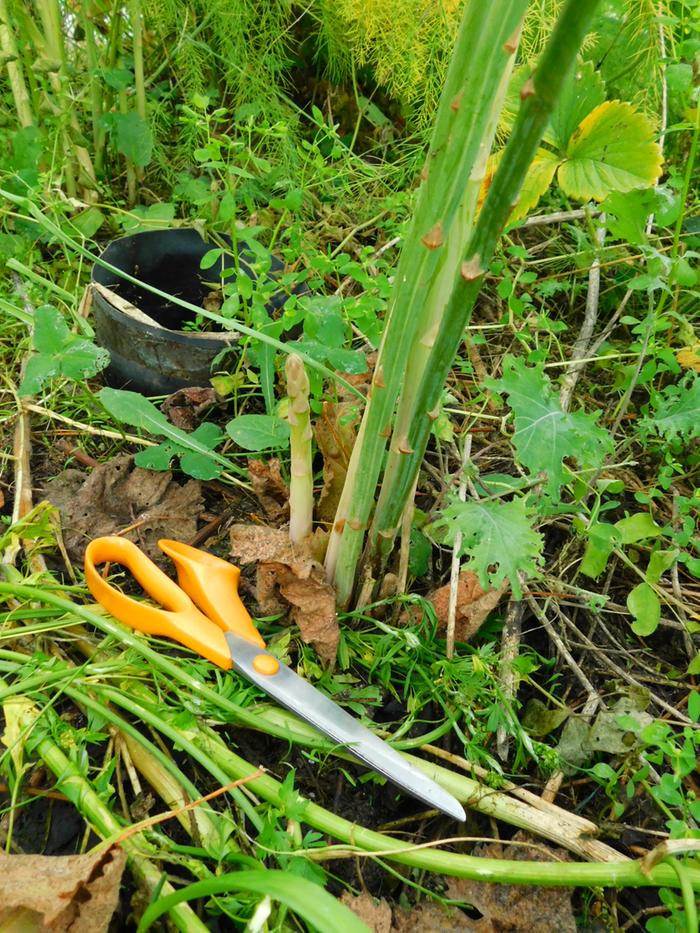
[582, 92]
[613, 149]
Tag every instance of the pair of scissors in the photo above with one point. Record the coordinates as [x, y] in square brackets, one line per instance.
[204, 612]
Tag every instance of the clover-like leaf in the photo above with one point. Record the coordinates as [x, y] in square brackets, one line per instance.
[59, 353]
[497, 537]
[259, 432]
[613, 149]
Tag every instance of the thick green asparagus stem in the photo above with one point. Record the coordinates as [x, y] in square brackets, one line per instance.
[483, 54]
[416, 409]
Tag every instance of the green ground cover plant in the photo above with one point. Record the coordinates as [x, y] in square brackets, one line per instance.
[483, 421]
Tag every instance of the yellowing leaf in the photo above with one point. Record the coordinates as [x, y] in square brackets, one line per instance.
[538, 179]
[19, 717]
[492, 165]
[613, 149]
[689, 357]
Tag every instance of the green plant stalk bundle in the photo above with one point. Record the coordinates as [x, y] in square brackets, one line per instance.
[573, 833]
[301, 484]
[418, 407]
[215, 753]
[83, 796]
[465, 126]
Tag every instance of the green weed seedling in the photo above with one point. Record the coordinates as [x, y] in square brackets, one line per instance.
[59, 353]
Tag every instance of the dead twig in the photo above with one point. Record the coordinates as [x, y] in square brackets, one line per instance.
[607, 661]
[455, 565]
[590, 318]
[507, 678]
[594, 698]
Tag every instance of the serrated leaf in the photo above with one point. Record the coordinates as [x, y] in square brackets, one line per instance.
[689, 357]
[644, 605]
[613, 149]
[497, 537]
[195, 449]
[259, 432]
[626, 214]
[582, 92]
[545, 435]
[537, 181]
[676, 412]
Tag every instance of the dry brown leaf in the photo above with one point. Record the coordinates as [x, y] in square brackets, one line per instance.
[512, 908]
[54, 894]
[185, 407]
[116, 495]
[473, 605]
[289, 576]
[335, 433]
[374, 912]
[271, 490]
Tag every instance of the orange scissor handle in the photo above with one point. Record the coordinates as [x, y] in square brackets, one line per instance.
[213, 585]
[180, 619]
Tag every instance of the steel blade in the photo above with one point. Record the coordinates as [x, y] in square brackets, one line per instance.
[314, 707]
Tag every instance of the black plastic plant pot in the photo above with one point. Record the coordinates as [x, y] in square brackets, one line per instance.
[149, 350]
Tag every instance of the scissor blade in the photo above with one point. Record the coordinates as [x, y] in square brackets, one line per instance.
[316, 708]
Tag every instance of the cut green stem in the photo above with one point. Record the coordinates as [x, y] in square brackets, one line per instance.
[301, 485]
